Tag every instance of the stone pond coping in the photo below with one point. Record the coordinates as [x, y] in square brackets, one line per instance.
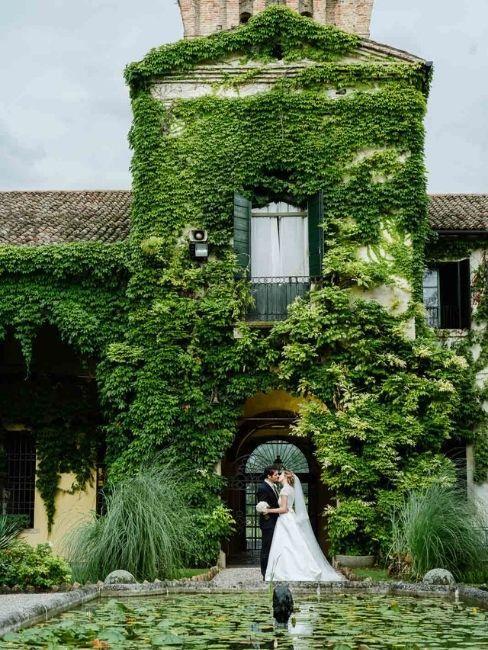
[24, 610]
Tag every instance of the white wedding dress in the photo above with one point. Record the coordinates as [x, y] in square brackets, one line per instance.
[295, 554]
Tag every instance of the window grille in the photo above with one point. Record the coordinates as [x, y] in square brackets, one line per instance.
[447, 295]
[20, 453]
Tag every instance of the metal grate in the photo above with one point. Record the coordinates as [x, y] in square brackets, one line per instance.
[243, 485]
[20, 452]
[273, 295]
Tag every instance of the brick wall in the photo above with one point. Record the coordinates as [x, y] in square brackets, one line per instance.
[203, 17]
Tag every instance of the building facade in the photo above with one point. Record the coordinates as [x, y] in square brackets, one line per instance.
[257, 297]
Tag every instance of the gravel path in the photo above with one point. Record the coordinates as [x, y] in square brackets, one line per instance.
[240, 577]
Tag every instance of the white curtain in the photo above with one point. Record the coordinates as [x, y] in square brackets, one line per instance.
[279, 246]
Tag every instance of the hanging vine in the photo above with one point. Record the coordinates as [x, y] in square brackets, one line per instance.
[176, 357]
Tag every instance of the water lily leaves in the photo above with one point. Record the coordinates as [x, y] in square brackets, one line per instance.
[220, 622]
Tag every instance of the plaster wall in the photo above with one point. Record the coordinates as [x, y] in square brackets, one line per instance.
[394, 297]
[71, 509]
[225, 80]
[478, 491]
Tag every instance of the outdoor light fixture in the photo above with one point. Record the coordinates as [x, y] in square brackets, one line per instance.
[198, 245]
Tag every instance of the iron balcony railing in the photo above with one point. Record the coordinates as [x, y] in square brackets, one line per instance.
[272, 295]
[447, 317]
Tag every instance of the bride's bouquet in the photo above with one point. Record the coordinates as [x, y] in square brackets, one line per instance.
[261, 507]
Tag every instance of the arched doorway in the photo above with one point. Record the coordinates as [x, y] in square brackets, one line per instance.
[265, 439]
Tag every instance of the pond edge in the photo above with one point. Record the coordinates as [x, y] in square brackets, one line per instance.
[22, 615]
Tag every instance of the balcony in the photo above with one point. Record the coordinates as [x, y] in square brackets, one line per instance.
[448, 317]
[273, 295]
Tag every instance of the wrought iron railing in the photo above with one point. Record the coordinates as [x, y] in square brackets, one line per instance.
[273, 295]
[447, 317]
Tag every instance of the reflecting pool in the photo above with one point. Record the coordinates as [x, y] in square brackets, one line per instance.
[218, 621]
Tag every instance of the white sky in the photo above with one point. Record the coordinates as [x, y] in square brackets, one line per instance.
[64, 109]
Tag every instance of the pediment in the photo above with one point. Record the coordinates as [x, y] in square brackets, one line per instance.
[277, 42]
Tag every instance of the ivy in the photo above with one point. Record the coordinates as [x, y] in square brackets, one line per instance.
[79, 289]
[378, 406]
[475, 344]
[176, 358]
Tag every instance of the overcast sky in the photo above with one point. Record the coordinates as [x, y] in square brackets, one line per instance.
[64, 109]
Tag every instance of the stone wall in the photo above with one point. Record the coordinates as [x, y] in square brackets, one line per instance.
[204, 17]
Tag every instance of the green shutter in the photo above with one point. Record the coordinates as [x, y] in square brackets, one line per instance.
[242, 230]
[315, 234]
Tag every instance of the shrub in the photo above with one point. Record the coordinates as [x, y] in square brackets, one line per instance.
[23, 565]
[146, 529]
[10, 527]
[439, 528]
[210, 528]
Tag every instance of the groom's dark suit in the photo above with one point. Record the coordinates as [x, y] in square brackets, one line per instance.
[267, 523]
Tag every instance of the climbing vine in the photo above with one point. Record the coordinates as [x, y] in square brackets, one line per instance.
[474, 344]
[79, 290]
[176, 358]
[378, 405]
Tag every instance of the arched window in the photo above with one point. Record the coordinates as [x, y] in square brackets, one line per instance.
[245, 10]
[278, 452]
[305, 8]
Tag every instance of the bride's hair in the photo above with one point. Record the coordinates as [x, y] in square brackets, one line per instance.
[290, 477]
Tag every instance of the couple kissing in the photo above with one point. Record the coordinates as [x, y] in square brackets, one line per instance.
[289, 552]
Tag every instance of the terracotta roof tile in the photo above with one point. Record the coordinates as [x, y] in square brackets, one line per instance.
[64, 216]
[459, 212]
[31, 218]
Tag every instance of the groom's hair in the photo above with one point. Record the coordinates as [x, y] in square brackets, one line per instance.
[271, 469]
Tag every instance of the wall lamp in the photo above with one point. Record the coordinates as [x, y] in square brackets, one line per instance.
[198, 245]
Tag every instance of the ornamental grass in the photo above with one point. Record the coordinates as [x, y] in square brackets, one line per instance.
[146, 529]
[440, 527]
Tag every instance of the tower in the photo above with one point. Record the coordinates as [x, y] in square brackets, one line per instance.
[204, 17]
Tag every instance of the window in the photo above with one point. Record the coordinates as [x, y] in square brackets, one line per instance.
[245, 10]
[305, 8]
[280, 247]
[447, 295]
[17, 497]
[279, 242]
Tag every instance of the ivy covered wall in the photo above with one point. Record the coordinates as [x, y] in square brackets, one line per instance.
[78, 290]
[177, 358]
[380, 405]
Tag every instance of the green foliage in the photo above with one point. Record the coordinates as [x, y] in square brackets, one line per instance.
[210, 528]
[259, 38]
[25, 566]
[380, 406]
[79, 290]
[476, 339]
[172, 374]
[10, 527]
[440, 528]
[146, 529]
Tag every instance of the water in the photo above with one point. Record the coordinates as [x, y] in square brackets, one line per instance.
[236, 621]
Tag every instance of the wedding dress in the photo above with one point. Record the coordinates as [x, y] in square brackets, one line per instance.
[295, 554]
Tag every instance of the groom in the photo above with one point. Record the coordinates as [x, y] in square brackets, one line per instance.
[268, 491]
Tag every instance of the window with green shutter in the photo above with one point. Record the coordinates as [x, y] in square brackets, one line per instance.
[280, 247]
[242, 230]
[315, 234]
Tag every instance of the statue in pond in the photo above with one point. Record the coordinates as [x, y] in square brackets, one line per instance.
[282, 603]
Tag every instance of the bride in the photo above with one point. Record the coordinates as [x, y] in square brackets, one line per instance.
[295, 554]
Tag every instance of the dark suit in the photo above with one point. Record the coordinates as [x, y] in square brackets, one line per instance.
[267, 524]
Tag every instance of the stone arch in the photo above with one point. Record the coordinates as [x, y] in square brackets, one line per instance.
[246, 10]
[265, 436]
[305, 8]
